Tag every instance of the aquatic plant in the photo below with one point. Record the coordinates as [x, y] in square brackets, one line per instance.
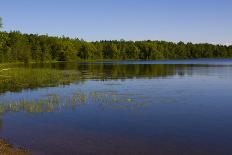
[16, 79]
[56, 102]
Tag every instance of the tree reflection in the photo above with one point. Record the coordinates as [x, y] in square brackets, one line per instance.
[47, 75]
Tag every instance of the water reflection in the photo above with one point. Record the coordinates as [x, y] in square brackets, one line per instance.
[118, 107]
[33, 76]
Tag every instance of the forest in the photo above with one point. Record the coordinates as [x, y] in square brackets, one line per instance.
[18, 47]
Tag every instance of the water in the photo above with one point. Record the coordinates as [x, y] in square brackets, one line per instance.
[128, 107]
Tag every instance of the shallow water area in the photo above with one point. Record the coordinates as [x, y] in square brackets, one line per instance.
[126, 107]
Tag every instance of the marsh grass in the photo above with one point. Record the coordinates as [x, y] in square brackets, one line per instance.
[55, 102]
[79, 98]
[117, 100]
[48, 104]
[16, 79]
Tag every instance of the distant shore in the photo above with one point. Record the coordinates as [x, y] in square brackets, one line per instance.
[18, 47]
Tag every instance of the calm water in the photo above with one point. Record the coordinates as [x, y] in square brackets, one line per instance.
[129, 107]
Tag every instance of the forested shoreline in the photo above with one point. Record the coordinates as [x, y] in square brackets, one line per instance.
[18, 47]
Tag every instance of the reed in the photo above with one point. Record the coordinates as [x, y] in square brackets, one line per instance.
[16, 79]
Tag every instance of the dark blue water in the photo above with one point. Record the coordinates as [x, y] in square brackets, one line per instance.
[173, 107]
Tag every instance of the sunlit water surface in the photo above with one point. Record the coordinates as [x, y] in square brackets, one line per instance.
[128, 107]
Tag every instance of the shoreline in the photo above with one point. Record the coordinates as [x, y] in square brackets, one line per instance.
[7, 149]
[111, 60]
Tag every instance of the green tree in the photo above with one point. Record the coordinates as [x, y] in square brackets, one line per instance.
[15, 46]
[132, 51]
[87, 51]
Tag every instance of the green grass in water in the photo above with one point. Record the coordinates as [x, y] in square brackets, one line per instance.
[16, 79]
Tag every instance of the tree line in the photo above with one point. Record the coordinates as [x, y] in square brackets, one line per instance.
[18, 47]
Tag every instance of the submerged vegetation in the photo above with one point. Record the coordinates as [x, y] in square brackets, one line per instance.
[18, 47]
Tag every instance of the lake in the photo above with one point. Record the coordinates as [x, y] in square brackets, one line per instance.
[123, 107]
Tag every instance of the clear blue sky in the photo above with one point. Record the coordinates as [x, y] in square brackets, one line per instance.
[170, 20]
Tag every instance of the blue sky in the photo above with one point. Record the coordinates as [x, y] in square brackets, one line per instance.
[170, 20]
